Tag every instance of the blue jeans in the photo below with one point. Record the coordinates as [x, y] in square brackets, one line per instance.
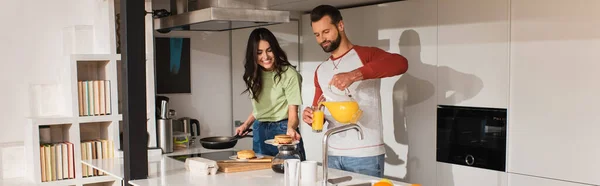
[372, 166]
[267, 130]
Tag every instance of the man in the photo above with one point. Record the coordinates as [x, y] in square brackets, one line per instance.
[358, 70]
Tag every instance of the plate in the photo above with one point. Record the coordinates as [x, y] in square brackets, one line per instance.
[272, 142]
[258, 156]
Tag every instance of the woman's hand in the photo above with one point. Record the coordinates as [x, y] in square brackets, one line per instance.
[292, 133]
[241, 130]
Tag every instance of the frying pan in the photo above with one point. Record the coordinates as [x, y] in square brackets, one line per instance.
[222, 142]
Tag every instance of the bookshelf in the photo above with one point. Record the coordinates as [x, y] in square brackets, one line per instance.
[78, 126]
[74, 128]
[80, 129]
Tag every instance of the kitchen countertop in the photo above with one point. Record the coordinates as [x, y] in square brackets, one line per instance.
[164, 170]
[114, 166]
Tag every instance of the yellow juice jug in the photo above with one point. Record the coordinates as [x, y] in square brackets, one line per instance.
[344, 112]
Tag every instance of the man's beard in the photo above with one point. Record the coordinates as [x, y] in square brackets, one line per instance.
[333, 45]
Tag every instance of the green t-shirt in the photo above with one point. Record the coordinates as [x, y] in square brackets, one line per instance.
[276, 96]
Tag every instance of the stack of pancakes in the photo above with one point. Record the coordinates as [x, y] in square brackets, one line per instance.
[283, 139]
[246, 154]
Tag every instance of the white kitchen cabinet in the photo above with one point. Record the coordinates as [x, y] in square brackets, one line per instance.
[553, 115]
[287, 35]
[473, 53]
[524, 180]
[458, 175]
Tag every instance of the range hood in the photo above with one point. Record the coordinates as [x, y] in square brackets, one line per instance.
[219, 15]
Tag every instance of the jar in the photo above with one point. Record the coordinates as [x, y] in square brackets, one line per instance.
[285, 152]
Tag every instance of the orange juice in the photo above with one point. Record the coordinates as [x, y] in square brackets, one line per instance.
[318, 119]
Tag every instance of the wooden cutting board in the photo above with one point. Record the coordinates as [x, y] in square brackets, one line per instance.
[243, 166]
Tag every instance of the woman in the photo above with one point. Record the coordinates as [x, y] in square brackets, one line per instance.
[274, 87]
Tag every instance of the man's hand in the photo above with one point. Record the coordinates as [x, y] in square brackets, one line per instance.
[345, 79]
[307, 115]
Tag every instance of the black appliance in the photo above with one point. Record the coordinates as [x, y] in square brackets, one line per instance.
[472, 136]
[220, 155]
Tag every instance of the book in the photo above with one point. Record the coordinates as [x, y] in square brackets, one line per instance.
[70, 159]
[104, 149]
[102, 96]
[96, 97]
[90, 100]
[43, 163]
[84, 156]
[53, 162]
[99, 154]
[108, 96]
[48, 161]
[80, 97]
[65, 160]
[59, 169]
[86, 102]
[90, 153]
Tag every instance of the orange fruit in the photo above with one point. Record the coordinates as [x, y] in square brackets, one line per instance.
[382, 184]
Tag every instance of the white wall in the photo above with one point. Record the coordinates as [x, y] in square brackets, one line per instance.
[554, 100]
[32, 54]
[408, 101]
[210, 100]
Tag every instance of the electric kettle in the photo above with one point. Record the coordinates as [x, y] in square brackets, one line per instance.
[192, 127]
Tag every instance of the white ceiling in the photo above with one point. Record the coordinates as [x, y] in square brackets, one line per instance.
[308, 5]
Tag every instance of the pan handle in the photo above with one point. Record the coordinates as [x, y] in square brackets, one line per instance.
[238, 136]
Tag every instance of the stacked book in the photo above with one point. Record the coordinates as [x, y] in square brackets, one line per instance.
[95, 149]
[94, 97]
[57, 161]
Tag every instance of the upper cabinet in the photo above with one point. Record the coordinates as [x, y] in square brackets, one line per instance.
[473, 53]
[554, 97]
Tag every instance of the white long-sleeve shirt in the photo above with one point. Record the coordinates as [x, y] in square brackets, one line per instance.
[374, 64]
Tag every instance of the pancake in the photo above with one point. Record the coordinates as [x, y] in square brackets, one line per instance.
[246, 154]
[283, 139]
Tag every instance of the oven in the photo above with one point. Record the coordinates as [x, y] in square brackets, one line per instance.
[472, 136]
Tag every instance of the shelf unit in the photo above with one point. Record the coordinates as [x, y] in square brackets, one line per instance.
[74, 127]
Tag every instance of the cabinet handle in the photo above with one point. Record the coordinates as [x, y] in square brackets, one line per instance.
[469, 159]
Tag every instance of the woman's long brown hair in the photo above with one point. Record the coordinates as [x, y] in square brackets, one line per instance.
[253, 71]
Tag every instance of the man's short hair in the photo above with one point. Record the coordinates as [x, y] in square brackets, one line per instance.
[320, 11]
